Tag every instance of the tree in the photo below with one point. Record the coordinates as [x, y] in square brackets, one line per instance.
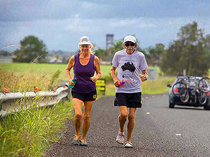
[155, 54]
[208, 47]
[117, 46]
[208, 42]
[170, 62]
[100, 53]
[31, 49]
[188, 53]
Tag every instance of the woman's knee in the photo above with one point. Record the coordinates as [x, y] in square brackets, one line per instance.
[78, 115]
[123, 115]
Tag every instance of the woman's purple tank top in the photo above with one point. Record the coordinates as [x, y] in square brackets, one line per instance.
[83, 73]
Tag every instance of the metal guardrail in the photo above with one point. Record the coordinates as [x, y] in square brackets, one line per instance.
[14, 102]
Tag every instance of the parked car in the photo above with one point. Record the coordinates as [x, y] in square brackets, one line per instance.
[190, 91]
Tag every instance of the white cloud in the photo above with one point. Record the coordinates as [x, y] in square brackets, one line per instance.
[76, 24]
[131, 22]
[88, 5]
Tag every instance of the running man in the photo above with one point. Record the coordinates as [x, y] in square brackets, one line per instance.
[129, 63]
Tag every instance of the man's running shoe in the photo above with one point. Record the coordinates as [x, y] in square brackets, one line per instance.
[128, 145]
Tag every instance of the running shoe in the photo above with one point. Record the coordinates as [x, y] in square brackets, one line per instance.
[128, 145]
[83, 143]
[75, 142]
[120, 137]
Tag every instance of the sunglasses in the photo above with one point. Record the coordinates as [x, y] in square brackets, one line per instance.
[129, 44]
[84, 46]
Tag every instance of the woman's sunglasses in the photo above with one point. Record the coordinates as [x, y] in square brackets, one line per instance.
[129, 44]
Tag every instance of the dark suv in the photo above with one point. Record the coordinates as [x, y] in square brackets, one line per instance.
[190, 91]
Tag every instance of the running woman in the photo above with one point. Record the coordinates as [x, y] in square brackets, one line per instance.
[129, 63]
[85, 65]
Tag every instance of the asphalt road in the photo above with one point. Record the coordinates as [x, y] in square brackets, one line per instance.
[159, 131]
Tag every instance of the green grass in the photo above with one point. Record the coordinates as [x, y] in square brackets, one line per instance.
[157, 86]
[29, 133]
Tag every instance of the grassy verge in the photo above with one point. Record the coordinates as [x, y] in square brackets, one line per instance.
[157, 86]
[28, 133]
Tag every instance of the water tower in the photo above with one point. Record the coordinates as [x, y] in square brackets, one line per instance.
[109, 40]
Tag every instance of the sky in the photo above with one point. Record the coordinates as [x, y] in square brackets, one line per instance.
[61, 23]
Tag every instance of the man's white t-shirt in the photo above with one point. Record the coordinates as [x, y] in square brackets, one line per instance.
[129, 67]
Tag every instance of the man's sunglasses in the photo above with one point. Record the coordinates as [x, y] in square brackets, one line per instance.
[129, 44]
[84, 46]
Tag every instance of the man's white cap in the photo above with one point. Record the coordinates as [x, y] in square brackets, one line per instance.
[84, 40]
[130, 38]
